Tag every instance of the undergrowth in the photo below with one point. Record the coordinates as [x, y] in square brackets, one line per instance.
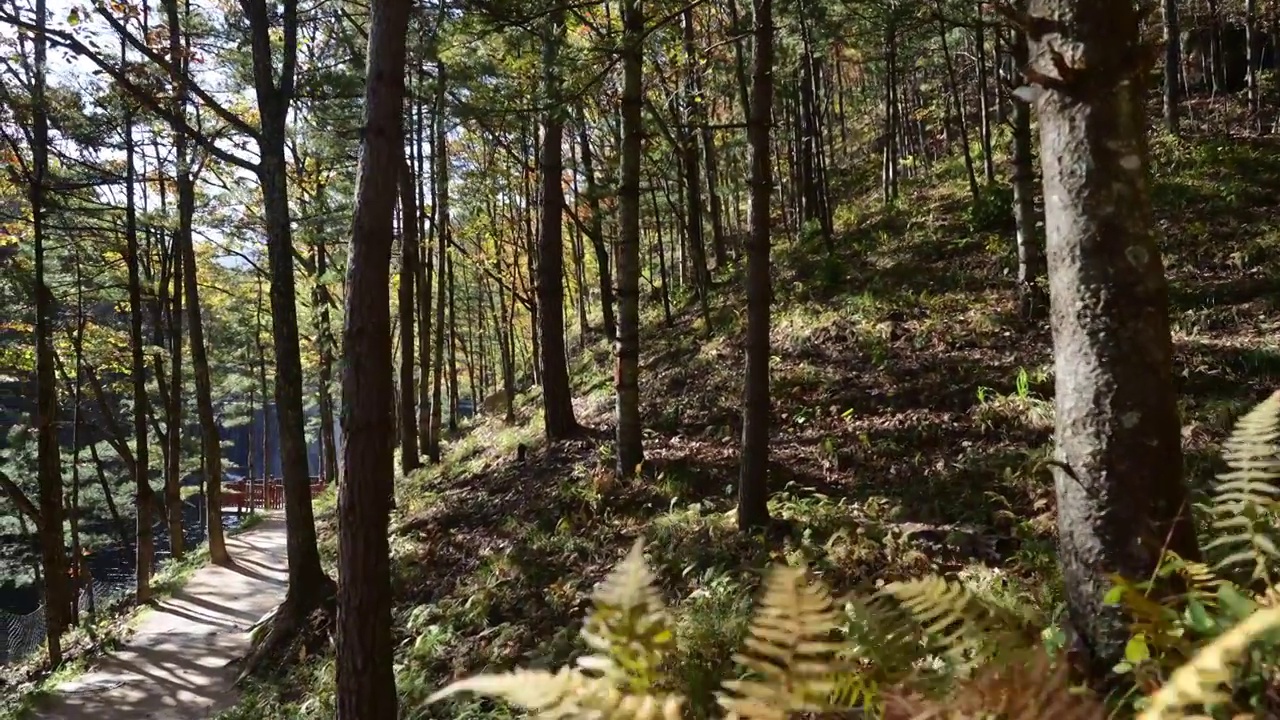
[913, 419]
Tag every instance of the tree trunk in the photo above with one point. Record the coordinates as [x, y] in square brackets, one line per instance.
[984, 111]
[309, 587]
[1121, 495]
[597, 237]
[173, 471]
[48, 460]
[1032, 300]
[365, 648]
[144, 496]
[1172, 62]
[1253, 50]
[325, 346]
[453, 347]
[409, 459]
[953, 85]
[425, 268]
[753, 483]
[441, 157]
[557, 394]
[630, 450]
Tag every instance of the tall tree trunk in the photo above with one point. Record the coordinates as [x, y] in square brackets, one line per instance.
[309, 586]
[1253, 50]
[753, 481]
[173, 472]
[984, 111]
[144, 496]
[626, 378]
[365, 647]
[1121, 496]
[557, 395]
[1032, 299]
[689, 162]
[409, 459]
[325, 346]
[442, 234]
[48, 460]
[1172, 62]
[453, 347]
[422, 131]
[597, 234]
[953, 85]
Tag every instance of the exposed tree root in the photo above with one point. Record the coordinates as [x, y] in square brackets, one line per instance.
[296, 629]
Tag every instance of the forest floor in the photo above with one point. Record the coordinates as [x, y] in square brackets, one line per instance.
[175, 664]
[913, 414]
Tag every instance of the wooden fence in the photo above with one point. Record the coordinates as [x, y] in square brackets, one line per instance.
[255, 494]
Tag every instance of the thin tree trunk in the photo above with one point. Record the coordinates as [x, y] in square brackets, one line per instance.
[1033, 299]
[409, 459]
[144, 496]
[1172, 63]
[442, 234]
[753, 482]
[630, 450]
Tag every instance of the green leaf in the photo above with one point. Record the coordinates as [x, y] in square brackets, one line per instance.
[1136, 650]
[1234, 602]
[1197, 617]
[1114, 595]
[73, 17]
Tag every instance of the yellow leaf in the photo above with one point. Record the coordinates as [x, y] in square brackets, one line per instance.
[1136, 650]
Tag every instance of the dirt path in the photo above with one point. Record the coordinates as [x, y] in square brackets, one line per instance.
[174, 666]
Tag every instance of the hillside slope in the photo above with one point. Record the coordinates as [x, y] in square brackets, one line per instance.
[913, 411]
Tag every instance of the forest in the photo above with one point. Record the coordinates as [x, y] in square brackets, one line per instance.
[639, 359]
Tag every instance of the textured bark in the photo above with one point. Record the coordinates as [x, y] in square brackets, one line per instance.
[365, 674]
[1120, 492]
[557, 396]
[408, 428]
[626, 379]
[753, 481]
[48, 461]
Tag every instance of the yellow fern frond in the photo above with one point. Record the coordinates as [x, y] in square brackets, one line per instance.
[628, 627]
[1200, 680]
[1245, 497]
[959, 621]
[789, 650]
[567, 694]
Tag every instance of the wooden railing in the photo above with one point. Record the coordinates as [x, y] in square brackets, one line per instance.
[242, 495]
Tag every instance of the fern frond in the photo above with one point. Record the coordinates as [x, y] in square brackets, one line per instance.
[628, 627]
[883, 647]
[959, 621]
[1199, 681]
[789, 650]
[567, 694]
[1245, 497]
[1038, 689]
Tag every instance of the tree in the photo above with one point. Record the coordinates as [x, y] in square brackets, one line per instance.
[753, 480]
[557, 395]
[1172, 64]
[365, 676]
[48, 456]
[627, 377]
[1121, 497]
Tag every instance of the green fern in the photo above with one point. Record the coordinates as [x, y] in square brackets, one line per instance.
[789, 651]
[1245, 498]
[968, 630]
[629, 626]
